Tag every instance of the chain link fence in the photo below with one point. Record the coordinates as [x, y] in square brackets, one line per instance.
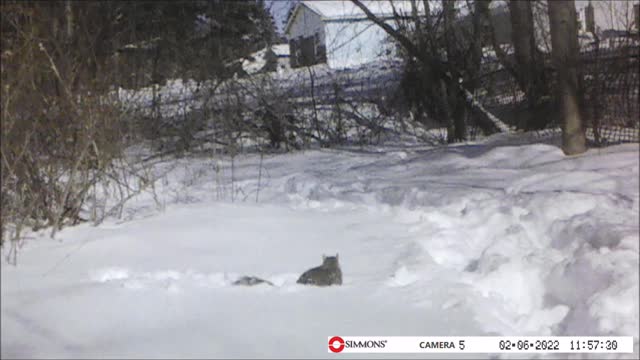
[611, 82]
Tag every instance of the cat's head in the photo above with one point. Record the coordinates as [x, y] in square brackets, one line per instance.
[330, 261]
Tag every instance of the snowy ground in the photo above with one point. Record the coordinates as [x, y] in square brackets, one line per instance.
[497, 237]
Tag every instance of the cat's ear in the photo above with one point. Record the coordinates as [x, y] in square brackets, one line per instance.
[337, 256]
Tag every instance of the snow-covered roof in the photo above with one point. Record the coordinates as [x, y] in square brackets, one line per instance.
[343, 10]
[281, 50]
[257, 60]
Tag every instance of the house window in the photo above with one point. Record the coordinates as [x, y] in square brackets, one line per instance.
[320, 49]
[299, 51]
[307, 47]
[293, 51]
[303, 51]
[316, 44]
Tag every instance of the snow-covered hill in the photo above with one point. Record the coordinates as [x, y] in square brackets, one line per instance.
[494, 237]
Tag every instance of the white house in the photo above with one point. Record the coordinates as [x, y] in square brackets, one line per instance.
[339, 33]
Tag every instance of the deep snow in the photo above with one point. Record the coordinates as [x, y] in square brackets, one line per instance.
[498, 237]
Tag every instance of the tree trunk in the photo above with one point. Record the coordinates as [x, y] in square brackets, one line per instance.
[529, 67]
[522, 36]
[68, 14]
[564, 42]
[480, 35]
[457, 129]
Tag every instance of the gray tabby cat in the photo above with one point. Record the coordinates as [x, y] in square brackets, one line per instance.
[327, 274]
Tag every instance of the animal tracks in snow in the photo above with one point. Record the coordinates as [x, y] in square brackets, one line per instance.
[174, 281]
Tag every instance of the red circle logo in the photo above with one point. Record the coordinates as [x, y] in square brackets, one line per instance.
[332, 341]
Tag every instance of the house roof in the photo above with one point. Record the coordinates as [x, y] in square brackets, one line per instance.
[345, 10]
[337, 10]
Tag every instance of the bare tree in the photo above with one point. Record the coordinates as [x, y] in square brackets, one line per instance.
[445, 81]
[68, 13]
[458, 112]
[529, 66]
[564, 42]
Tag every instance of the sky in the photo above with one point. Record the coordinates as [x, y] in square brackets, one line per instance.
[279, 9]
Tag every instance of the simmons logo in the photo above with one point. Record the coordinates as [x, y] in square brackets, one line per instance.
[337, 344]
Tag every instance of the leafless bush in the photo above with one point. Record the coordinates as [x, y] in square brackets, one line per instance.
[61, 127]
